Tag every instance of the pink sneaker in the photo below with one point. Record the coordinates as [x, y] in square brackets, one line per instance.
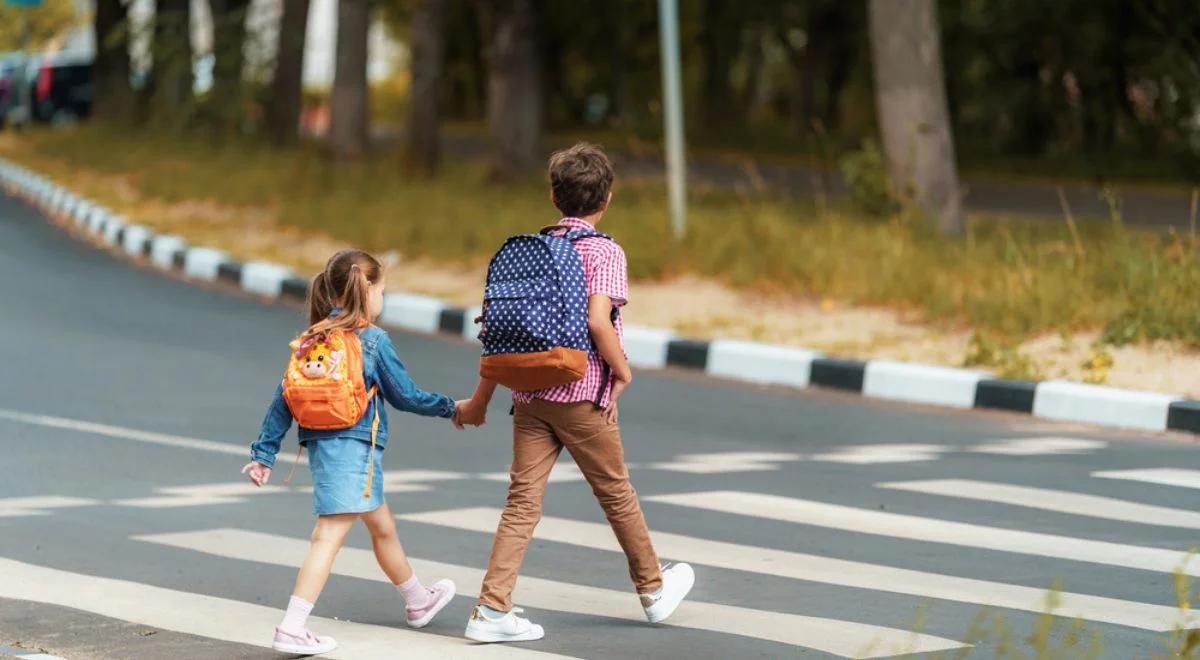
[440, 595]
[302, 643]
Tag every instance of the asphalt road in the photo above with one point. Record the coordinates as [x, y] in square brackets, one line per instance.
[820, 525]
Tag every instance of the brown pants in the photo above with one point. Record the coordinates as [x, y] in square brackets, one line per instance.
[540, 430]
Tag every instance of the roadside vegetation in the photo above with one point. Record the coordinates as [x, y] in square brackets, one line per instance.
[1006, 278]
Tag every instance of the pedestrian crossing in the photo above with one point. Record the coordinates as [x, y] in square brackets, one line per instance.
[824, 570]
[776, 560]
[1045, 499]
[829, 635]
[930, 530]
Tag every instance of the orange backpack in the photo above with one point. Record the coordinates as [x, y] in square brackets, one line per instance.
[324, 386]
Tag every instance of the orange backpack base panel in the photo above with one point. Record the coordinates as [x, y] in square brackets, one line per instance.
[530, 372]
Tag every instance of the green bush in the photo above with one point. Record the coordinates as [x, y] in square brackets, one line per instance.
[867, 180]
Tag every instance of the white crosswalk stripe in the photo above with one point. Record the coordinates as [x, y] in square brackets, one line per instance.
[825, 570]
[12, 507]
[832, 636]
[224, 619]
[1045, 499]
[1162, 476]
[931, 530]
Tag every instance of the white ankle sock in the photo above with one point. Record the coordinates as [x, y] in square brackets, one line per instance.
[492, 613]
[415, 594]
[296, 616]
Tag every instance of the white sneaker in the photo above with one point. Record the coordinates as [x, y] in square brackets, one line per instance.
[677, 582]
[508, 628]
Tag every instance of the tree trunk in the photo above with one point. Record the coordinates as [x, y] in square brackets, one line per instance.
[229, 41]
[719, 43]
[112, 95]
[910, 98]
[514, 109]
[172, 75]
[283, 108]
[348, 107]
[428, 24]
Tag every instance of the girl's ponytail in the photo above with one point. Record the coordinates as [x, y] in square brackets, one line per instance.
[319, 302]
[343, 284]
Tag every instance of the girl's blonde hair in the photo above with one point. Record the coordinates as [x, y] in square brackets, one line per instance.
[344, 283]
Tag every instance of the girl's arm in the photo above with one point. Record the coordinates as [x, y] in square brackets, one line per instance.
[400, 390]
[275, 425]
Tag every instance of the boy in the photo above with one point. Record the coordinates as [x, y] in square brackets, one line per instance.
[567, 416]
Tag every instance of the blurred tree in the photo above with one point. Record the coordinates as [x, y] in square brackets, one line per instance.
[287, 83]
[229, 43]
[720, 42]
[514, 110]
[426, 38]
[112, 95]
[348, 105]
[170, 82]
[47, 21]
[911, 99]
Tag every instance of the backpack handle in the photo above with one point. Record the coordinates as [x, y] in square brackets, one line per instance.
[550, 229]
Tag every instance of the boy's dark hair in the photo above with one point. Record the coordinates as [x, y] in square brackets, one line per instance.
[581, 178]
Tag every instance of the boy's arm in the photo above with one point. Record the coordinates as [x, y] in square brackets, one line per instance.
[473, 412]
[604, 335]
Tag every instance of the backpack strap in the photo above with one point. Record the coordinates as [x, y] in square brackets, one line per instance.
[371, 396]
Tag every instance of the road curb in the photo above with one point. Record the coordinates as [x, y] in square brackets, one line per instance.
[648, 348]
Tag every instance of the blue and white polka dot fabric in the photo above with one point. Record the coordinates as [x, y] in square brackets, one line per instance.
[536, 296]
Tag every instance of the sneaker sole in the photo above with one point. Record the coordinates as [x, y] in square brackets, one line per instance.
[492, 638]
[296, 649]
[668, 611]
[424, 621]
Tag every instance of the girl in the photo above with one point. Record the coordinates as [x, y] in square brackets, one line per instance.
[346, 472]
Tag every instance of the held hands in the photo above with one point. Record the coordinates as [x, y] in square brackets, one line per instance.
[469, 412]
[258, 472]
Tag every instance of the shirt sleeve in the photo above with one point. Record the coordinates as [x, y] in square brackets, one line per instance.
[274, 427]
[400, 390]
[608, 274]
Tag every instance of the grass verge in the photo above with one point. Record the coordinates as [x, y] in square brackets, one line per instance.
[1007, 278]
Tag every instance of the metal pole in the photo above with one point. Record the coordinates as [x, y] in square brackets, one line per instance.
[23, 99]
[668, 29]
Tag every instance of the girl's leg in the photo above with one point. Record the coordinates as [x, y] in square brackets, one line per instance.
[327, 538]
[421, 603]
[388, 551]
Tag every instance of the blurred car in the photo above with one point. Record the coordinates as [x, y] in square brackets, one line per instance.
[59, 87]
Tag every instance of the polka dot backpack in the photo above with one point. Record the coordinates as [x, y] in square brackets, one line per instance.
[535, 317]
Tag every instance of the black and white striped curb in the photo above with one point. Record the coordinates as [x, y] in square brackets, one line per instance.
[649, 347]
[26, 654]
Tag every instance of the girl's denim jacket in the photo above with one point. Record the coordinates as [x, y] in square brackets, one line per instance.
[382, 367]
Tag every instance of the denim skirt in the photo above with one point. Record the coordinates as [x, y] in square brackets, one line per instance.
[339, 476]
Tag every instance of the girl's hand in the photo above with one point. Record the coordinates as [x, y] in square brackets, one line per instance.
[258, 472]
[469, 412]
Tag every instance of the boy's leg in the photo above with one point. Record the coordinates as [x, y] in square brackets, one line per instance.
[595, 444]
[535, 449]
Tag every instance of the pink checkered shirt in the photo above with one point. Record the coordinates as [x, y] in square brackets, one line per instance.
[605, 271]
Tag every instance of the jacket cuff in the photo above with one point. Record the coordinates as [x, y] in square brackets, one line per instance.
[449, 409]
[262, 457]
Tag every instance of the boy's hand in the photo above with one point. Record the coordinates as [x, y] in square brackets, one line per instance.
[469, 412]
[618, 388]
[258, 472]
